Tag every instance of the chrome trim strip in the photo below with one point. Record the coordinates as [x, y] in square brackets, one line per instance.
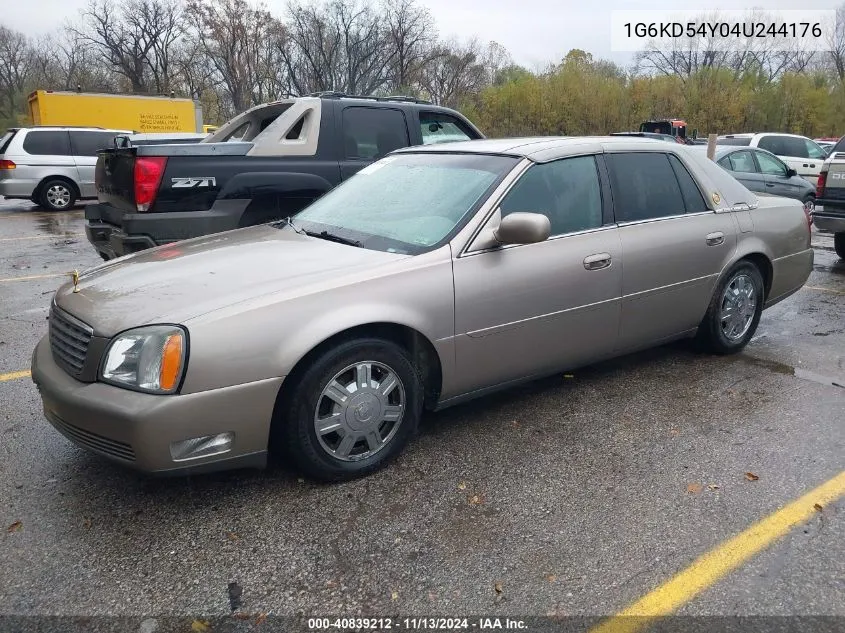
[516, 324]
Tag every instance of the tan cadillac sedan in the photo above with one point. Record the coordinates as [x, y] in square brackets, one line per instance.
[434, 275]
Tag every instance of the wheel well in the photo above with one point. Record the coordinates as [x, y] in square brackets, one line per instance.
[37, 192]
[422, 352]
[765, 267]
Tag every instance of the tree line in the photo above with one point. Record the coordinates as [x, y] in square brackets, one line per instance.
[232, 54]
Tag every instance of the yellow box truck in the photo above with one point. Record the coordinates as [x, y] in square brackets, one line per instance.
[122, 112]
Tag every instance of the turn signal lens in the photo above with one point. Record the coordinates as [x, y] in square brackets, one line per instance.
[171, 363]
[820, 184]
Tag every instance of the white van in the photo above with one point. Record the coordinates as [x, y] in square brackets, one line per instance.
[800, 153]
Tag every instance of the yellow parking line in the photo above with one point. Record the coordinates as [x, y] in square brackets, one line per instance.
[820, 289]
[717, 563]
[39, 237]
[14, 375]
[30, 277]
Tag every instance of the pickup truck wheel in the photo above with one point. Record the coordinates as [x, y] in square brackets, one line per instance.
[57, 195]
[352, 411]
[839, 244]
[734, 311]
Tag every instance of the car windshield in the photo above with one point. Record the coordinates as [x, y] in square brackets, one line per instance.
[406, 203]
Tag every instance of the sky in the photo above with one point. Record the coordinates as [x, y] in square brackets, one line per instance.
[534, 31]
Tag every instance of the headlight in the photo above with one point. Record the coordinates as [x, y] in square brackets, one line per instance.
[148, 359]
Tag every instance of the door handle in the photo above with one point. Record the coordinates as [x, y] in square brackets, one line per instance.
[769, 184]
[597, 261]
[714, 239]
[806, 165]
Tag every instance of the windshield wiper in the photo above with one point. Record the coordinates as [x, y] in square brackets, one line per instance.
[331, 237]
[290, 223]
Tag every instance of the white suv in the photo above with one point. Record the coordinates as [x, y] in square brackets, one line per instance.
[804, 155]
[52, 166]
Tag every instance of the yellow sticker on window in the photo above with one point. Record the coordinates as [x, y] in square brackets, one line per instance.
[716, 198]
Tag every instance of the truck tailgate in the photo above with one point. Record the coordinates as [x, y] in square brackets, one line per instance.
[114, 178]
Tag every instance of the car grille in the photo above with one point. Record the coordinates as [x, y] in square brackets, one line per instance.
[69, 339]
[94, 442]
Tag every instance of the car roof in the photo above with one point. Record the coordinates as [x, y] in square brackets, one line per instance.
[542, 148]
[753, 134]
[75, 128]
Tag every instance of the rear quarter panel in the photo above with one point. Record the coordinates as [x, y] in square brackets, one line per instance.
[782, 234]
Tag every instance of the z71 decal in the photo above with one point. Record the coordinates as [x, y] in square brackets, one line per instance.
[187, 183]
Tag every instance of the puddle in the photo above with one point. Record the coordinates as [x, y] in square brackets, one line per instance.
[66, 224]
[788, 370]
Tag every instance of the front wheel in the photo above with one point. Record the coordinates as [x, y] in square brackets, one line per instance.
[734, 311]
[839, 244]
[351, 412]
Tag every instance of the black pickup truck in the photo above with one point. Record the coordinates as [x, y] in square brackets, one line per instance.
[265, 164]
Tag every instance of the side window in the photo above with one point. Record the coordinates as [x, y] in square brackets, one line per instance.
[436, 127]
[772, 144]
[567, 191]
[814, 150]
[742, 162]
[87, 143]
[47, 143]
[370, 133]
[795, 147]
[770, 165]
[644, 186]
[693, 200]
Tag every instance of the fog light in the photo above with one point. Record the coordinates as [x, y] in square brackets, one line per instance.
[205, 446]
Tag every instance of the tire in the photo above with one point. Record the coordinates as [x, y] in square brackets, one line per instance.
[57, 195]
[332, 457]
[839, 244]
[718, 339]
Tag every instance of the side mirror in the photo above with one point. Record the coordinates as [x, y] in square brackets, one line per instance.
[790, 172]
[523, 228]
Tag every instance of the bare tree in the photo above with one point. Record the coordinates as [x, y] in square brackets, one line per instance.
[836, 43]
[456, 71]
[135, 38]
[412, 34]
[64, 61]
[16, 63]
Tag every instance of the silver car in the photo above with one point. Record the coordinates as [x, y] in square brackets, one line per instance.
[435, 275]
[52, 166]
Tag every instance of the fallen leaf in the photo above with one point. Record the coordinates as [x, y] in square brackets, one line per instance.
[200, 626]
[498, 587]
[87, 522]
[818, 507]
[551, 577]
[751, 477]
[569, 376]
[712, 487]
[475, 500]
[260, 619]
[233, 536]
[242, 616]
[673, 432]
[331, 584]
[394, 596]
[462, 485]
[693, 489]
[17, 526]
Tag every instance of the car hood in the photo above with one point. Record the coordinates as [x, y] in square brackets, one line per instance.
[184, 280]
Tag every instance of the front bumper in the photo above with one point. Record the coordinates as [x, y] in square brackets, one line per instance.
[137, 429]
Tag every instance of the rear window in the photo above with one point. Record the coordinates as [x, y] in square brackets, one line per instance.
[6, 139]
[840, 146]
[741, 141]
[47, 143]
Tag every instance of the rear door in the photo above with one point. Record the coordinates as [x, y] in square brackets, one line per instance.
[744, 169]
[45, 153]
[84, 145]
[366, 134]
[674, 247]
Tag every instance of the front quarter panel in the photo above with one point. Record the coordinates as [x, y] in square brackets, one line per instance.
[266, 337]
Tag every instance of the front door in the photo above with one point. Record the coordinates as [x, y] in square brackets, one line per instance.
[775, 173]
[674, 246]
[531, 309]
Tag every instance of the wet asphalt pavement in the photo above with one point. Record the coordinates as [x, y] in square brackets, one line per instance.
[572, 496]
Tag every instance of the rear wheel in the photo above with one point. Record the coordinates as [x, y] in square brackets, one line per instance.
[839, 244]
[57, 195]
[734, 311]
[351, 411]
